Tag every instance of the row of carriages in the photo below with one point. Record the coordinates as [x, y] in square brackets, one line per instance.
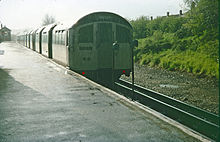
[40, 40]
[86, 46]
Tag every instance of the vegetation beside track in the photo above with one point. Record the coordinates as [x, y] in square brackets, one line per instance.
[186, 43]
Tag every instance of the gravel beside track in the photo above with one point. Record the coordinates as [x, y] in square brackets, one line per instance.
[200, 92]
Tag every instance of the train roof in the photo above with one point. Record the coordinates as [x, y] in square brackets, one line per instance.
[62, 26]
[30, 32]
[26, 32]
[33, 31]
[103, 16]
[40, 29]
[49, 27]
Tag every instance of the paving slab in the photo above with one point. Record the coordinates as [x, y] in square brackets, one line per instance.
[40, 101]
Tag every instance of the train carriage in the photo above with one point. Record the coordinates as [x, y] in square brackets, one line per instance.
[29, 39]
[26, 39]
[60, 44]
[38, 39]
[32, 39]
[91, 46]
[47, 40]
[18, 39]
[21, 39]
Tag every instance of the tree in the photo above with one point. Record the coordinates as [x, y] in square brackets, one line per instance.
[203, 17]
[139, 26]
[191, 3]
[48, 20]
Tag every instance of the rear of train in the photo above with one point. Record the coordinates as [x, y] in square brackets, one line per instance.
[91, 50]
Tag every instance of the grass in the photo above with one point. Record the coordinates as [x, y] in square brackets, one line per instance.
[187, 61]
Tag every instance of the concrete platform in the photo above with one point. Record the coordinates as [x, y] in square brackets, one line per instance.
[40, 101]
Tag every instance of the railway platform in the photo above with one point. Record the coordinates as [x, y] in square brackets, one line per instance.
[42, 101]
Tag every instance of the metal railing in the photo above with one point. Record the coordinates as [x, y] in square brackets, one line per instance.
[195, 118]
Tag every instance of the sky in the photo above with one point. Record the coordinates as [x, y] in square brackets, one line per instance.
[26, 14]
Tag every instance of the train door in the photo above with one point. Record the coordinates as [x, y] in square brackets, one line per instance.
[104, 40]
[71, 49]
[50, 43]
[67, 47]
[123, 54]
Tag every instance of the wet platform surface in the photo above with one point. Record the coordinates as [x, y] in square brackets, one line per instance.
[39, 101]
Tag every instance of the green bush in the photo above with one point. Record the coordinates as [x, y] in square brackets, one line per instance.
[189, 43]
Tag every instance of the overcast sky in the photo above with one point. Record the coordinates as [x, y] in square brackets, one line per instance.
[25, 14]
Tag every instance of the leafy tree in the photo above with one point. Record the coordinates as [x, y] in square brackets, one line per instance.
[153, 26]
[139, 27]
[203, 17]
[171, 24]
[191, 3]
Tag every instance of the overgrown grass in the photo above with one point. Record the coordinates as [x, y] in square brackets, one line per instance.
[194, 62]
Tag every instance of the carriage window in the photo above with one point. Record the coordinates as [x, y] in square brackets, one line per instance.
[63, 39]
[122, 34]
[36, 37]
[72, 38]
[58, 37]
[54, 38]
[86, 34]
[67, 40]
[44, 38]
[104, 32]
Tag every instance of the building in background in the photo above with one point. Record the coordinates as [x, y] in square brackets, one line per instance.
[5, 34]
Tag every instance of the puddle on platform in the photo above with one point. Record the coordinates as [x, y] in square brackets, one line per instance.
[2, 52]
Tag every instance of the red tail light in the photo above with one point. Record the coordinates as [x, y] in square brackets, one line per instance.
[83, 73]
[123, 71]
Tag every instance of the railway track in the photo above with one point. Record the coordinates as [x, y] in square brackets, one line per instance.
[195, 118]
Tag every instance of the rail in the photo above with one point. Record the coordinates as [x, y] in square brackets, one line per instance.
[195, 118]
